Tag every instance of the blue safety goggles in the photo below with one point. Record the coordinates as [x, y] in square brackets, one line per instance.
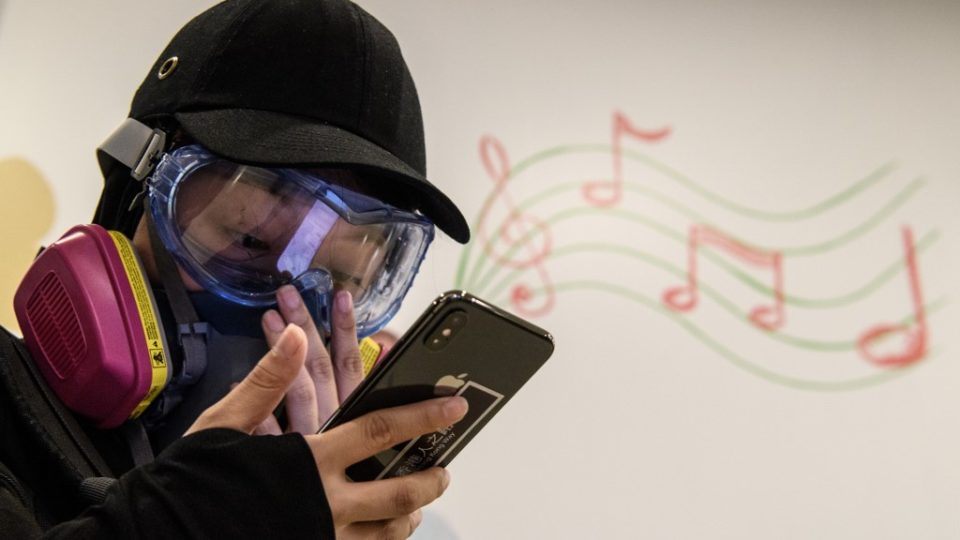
[242, 231]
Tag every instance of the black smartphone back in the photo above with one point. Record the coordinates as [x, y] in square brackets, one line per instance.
[460, 345]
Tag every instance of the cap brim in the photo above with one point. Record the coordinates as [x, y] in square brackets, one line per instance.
[269, 138]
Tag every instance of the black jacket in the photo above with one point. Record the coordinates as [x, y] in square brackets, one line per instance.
[217, 483]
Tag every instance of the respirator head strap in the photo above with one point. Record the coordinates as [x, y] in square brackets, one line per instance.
[191, 330]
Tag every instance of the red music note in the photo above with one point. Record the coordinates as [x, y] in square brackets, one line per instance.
[605, 193]
[519, 230]
[915, 337]
[685, 298]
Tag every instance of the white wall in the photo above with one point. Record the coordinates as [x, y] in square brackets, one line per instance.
[648, 422]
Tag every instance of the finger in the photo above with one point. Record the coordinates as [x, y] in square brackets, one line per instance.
[270, 426]
[301, 405]
[253, 400]
[361, 438]
[319, 365]
[416, 518]
[395, 497]
[301, 400]
[273, 324]
[347, 363]
[401, 527]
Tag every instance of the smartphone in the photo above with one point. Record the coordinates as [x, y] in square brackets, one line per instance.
[460, 345]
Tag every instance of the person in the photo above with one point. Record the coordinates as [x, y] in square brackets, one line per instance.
[271, 179]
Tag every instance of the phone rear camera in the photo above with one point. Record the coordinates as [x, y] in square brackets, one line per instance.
[446, 330]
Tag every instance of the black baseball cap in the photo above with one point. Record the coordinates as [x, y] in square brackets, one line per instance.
[299, 83]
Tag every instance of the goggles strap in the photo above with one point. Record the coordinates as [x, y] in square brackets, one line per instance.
[134, 144]
[191, 329]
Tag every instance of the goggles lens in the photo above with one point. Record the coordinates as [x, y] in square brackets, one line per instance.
[243, 231]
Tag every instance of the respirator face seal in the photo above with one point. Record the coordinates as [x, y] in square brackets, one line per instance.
[242, 231]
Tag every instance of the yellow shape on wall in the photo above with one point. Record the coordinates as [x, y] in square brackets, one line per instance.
[26, 213]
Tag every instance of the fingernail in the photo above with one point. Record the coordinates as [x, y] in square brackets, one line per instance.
[289, 296]
[344, 302]
[273, 321]
[455, 408]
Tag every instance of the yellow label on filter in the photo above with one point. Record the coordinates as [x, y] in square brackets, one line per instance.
[369, 354]
[148, 320]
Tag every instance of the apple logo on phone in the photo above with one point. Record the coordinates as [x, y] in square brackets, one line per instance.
[448, 384]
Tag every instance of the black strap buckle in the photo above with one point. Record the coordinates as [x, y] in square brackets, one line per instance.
[151, 154]
[192, 328]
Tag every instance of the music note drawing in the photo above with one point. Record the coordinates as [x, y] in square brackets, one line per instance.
[604, 193]
[875, 341]
[684, 298]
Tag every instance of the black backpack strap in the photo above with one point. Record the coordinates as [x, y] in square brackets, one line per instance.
[53, 423]
[138, 442]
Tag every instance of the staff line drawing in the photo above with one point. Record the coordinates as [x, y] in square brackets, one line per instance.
[508, 173]
[667, 232]
[731, 308]
[518, 241]
[831, 201]
[650, 193]
[654, 304]
[842, 299]
[838, 346]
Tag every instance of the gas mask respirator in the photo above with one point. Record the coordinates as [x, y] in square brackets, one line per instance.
[115, 348]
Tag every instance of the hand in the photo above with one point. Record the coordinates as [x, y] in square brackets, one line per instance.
[380, 508]
[324, 382]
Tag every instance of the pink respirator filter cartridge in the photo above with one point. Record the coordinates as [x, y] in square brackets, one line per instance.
[88, 317]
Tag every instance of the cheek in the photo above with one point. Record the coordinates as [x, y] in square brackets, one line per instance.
[188, 281]
[141, 242]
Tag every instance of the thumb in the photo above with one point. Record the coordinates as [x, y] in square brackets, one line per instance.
[258, 394]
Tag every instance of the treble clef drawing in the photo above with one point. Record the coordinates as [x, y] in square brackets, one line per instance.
[527, 241]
